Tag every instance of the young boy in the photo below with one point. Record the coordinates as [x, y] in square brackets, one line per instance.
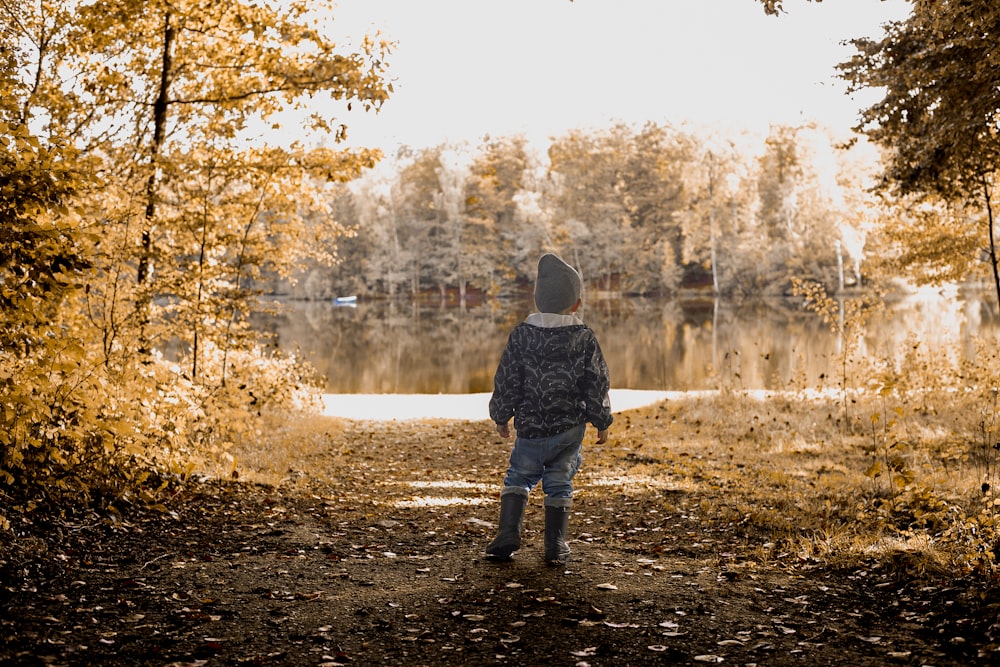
[552, 379]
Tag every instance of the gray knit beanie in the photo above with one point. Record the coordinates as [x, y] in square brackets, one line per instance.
[558, 285]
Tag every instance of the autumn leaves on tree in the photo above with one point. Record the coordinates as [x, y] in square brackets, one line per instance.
[129, 152]
[937, 124]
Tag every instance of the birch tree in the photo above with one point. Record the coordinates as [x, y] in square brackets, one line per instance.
[504, 238]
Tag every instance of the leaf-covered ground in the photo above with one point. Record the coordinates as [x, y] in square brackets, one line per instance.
[369, 552]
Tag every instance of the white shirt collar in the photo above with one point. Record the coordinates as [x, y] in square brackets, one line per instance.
[553, 320]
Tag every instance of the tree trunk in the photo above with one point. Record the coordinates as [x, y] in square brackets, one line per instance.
[159, 133]
[993, 243]
[840, 267]
[711, 250]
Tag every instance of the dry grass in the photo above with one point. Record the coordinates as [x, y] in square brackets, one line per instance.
[784, 472]
[791, 472]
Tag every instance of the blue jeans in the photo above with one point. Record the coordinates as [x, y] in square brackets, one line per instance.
[553, 461]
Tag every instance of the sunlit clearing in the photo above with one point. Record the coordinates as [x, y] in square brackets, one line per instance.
[633, 482]
[437, 501]
[444, 501]
[449, 484]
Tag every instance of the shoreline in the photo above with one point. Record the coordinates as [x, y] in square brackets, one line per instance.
[473, 407]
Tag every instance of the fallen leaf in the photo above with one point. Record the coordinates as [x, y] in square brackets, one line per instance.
[607, 587]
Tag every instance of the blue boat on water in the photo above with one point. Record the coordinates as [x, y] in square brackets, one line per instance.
[345, 301]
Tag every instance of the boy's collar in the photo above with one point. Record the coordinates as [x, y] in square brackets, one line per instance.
[553, 320]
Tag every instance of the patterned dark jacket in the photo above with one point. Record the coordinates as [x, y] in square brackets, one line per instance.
[552, 376]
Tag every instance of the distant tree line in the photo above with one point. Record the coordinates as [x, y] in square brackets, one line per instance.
[650, 210]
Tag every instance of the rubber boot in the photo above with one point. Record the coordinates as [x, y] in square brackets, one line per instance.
[508, 538]
[556, 523]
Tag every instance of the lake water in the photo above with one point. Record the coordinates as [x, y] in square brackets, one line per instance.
[393, 347]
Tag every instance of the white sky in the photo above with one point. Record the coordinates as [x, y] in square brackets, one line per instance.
[466, 68]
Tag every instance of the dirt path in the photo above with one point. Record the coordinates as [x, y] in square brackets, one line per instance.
[371, 554]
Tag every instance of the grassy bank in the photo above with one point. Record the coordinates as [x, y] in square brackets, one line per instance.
[804, 479]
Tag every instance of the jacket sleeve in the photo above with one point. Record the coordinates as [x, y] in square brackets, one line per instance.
[507, 384]
[596, 384]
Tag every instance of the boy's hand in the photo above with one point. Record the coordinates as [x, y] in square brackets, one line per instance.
[503, 430]
[602, 437]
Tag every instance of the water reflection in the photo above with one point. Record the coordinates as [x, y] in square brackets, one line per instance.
[386, 347]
